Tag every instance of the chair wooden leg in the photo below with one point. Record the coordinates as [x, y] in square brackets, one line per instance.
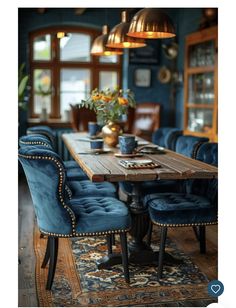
[47, 255]
[109, 243]
[202, 239]
[195, 229]
[53, 260]
[113, 239]
[161, 252]
[149, 233]
[123, 241]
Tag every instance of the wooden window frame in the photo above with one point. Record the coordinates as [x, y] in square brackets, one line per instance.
[55, 65]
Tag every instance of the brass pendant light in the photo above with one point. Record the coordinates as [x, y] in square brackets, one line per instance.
[151, 23]
[99, 45]
[118, 36]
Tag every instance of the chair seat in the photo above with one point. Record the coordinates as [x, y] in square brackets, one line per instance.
[177, 209]
[149, 187]
[88, 188]
[100, 214]
[70, 164]
[76, 174]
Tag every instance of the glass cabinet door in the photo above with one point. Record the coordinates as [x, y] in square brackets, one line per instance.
[202, 54]
[201, 88]
[200, 120]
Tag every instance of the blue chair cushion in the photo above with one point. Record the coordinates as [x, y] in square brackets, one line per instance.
[208, 153]
[187, 145]
[88, 188]
[180, 209]
[100, 214]
[75, 174]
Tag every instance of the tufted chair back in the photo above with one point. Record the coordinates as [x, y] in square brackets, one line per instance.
[35, 139]
[166, 137]
[207, 153]
[188, 145]
[46, 179]
[43, 130]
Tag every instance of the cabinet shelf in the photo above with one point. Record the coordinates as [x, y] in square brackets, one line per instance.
[200, 84]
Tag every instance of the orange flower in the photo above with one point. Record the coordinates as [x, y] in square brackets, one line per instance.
[96, 97]
[122, 101]
[106, 98]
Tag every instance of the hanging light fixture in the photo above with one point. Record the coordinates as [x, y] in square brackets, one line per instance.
[151, 23]
[118, 36]
[99, 45]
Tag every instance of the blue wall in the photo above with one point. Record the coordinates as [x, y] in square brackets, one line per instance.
[185, 21]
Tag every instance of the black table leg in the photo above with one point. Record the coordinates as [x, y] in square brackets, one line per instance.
[139, 251]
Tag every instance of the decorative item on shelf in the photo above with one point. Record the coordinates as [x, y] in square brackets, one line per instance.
[209, 19]
[118, 38]
[151, 23]
[164, 75]
[110, 106]
[99, 47]
[171, 50]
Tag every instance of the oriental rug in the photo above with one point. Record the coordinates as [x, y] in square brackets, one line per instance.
[78, 282]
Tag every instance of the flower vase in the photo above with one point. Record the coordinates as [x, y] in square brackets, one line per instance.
[110, 133]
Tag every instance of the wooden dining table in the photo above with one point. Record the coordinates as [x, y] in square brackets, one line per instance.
[105, 167]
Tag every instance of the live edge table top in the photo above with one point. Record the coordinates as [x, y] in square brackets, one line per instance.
[105, 167]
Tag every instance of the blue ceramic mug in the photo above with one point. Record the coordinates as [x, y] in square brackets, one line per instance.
[127, 144]
[96, 144]
[93, 128]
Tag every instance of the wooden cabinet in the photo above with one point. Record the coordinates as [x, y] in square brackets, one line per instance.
[201, 84]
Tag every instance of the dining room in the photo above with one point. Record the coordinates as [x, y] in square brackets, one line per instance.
[118, 157]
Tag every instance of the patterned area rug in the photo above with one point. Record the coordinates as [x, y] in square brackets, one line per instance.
[78, 282]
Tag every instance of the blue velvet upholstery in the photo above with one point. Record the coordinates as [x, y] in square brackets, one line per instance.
[166, 137]
[100, 214]
[88, 188]
[74, 172]
[188, 145]
[197, 206]
[35, 139]
[175, 209]
[43, 130]
[58, 216]
[78, 183]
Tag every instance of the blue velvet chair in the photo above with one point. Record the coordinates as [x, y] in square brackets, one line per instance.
[188, 145]
[51, 135]
[59, 215]
[74, 172]
[197, 207]
[166, 137]
[43, 130]
[79, 184]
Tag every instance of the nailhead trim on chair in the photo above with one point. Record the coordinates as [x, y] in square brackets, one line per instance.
[35, 142]
[185, 225]
[69, 210]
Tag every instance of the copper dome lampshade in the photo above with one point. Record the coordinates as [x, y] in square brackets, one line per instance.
[99, 45]
[118, 38]
[151, 23]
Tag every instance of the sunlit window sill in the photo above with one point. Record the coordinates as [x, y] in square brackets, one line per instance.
[49, 122]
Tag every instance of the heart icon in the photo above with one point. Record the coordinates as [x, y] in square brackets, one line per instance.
[215, 288]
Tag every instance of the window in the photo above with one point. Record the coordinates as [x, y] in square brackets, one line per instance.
[63, 72]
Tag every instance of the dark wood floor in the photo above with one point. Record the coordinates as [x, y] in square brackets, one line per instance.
[184, 238]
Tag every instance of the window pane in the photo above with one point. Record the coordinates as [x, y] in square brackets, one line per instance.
[108, 80]
[202, 54]
[108, 59]
[75, 86]
[75, 47]
[42, 48]
[42, 90]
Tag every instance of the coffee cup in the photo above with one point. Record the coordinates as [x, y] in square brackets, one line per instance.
[127, 144]
[96, 144]
[93, 129]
